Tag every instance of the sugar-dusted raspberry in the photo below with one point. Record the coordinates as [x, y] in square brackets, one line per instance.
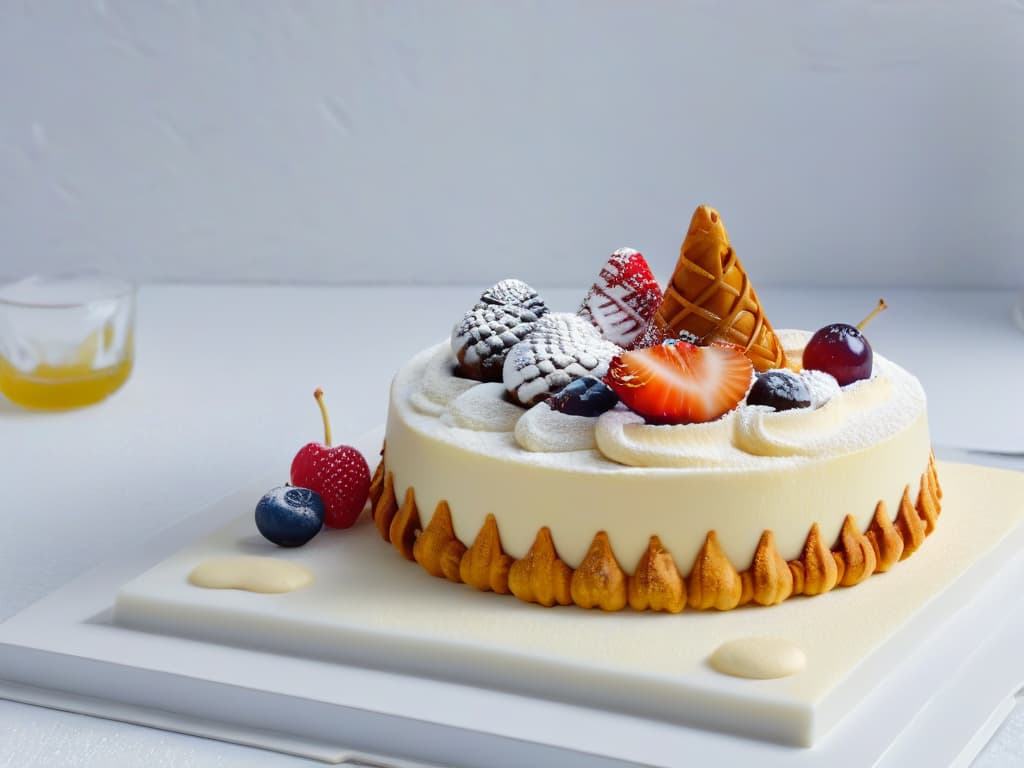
[624, 300]
[561, 347]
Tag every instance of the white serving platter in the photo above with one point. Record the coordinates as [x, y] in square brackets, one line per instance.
[935, 689]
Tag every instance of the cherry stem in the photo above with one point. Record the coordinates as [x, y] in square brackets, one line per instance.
[319, 395]
[874, 313]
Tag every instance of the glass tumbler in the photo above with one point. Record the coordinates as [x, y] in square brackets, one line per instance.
[66, 341]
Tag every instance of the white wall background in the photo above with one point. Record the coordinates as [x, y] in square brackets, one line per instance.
[850, 141]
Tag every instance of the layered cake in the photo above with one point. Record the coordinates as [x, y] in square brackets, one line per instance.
[657, 449]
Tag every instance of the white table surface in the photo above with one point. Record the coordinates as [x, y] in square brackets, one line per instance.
[222, 396]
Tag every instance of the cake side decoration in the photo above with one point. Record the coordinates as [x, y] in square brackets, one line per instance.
[855, 556]
[376, 481]
[485, 565]
[437, 549]
[769, 580]
[599, 581]
[711, 296]
[405, 526]
[656, 583]
[928, 500]
[541, 577]
[386, 507]
[911, 527]
[816, 572]
[885, 539]
[713, 582]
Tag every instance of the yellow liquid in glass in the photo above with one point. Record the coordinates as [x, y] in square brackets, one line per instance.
[59, 387]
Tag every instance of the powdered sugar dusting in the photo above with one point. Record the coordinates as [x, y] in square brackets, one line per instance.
[504, 315]
[845, 420]
[425, 405]
[485, 409]
[543, 429]
[854, 418]
[822, 387]
[440, 382]
[515, 293]
[625, 298]
[560, 348]
[624, 437]
[654, 335]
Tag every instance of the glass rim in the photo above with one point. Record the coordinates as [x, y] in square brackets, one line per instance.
[119, 287]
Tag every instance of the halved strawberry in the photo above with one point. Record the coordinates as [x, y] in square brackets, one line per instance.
[681, 383]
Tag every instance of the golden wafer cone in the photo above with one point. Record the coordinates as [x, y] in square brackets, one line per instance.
[711, 296]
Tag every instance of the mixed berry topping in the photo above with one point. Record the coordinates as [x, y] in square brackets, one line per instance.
[561, 347]
[338, 473]
[779, 389]
[842, 350]
[290, 516]
[515, 293]
[681, 383]
[625, 298]
[504, 316]
[667, 376]
[588, 396]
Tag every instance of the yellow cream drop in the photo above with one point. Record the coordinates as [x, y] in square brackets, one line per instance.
[758, 658]
[252, 574]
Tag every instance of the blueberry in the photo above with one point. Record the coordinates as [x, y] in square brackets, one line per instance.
[586, 396]
[290, 516]
[779, 389]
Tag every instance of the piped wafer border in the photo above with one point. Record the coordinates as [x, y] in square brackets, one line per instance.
[656, 582]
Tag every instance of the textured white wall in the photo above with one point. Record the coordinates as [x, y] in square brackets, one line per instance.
[852, 141]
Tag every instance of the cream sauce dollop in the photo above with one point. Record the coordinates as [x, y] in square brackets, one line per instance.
[758, 658]
[265, 575]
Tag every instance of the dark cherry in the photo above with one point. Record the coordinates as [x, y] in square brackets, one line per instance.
[779, 389]
[842, 350]
[586, 396]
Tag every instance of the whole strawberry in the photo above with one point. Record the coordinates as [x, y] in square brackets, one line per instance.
[338, 473]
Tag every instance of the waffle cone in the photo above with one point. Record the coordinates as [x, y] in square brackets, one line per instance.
[711, 296]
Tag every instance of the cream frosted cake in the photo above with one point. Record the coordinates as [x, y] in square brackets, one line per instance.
[654, 449]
